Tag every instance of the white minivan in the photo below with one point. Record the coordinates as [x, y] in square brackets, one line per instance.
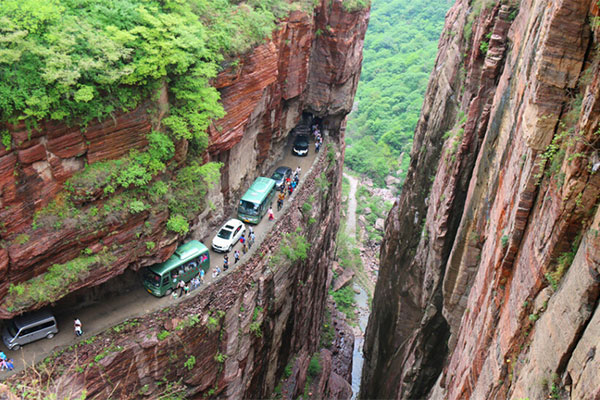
[29, 328]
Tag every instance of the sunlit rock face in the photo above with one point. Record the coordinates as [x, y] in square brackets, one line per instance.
[489, 283]
[311, 64]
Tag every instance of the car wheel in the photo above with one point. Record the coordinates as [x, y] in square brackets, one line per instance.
[230, 247]
[16, 347]
[50, 335]
[169, 291]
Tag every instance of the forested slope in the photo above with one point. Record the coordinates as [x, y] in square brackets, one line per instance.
[399, 53]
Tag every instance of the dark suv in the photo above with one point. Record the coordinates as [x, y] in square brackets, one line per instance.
[300, 147]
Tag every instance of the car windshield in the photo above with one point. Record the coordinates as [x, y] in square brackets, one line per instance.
[152, 278]
[301, 142]
[12, 329]
[224, 233]
[277, 176]
[249, 208]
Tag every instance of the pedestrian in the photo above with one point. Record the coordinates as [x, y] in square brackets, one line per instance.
[78, 327]
[202, 276]
[10, 364]
[280, 198]
[270, 212]
[294, 184]
[298, 171]
[218, 270]
[244, 248]
[181, 286]
[290, 190]
[243, 238]
[251, 239]
[225, 262]
[2, 356]
[236, 255]
[317, 145]
[186, 289]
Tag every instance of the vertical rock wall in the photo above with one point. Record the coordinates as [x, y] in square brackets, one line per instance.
[264, 94]
[489, 283]
[235, 338]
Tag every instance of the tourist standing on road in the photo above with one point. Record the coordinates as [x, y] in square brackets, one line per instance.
[225, 262]
[78, 327]
[271, 214]
[236, 255]
[201, 276]
[298, 171]
[317, 145]
[280, 198]
[181, 287]
[251, 239]
[244, 248]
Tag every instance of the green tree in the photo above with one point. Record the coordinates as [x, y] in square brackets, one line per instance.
[399, 53]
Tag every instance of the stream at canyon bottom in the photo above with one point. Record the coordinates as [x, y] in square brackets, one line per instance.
[362, 304]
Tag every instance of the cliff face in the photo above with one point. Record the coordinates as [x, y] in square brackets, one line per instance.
[489, 283]
[241, 331]
[264, 94]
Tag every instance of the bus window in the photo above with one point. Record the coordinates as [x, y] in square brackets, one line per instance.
[152, 278]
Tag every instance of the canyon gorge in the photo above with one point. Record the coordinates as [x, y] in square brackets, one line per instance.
[488, 282]
[490, 265]
[236, 337]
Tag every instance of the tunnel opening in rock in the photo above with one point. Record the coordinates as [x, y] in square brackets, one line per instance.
[119, 285]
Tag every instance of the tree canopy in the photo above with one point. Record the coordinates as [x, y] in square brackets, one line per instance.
[399, 54]
[76, 60]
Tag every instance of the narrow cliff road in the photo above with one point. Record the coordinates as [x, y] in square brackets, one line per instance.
[351, 216]
[136, 302]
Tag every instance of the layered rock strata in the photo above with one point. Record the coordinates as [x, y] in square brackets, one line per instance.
[264, 96]
[489, 280]
[235, 338]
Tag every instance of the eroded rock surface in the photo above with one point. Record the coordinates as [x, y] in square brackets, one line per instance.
[462, 308]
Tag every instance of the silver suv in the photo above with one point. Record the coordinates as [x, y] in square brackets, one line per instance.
[29, 328]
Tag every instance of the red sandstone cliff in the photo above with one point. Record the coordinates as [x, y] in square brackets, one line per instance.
[311, 64]
[264, 96]
[490, 275]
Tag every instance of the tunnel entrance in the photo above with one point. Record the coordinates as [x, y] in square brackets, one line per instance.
[119, 285]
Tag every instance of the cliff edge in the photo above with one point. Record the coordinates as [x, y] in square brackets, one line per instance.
[490, 266]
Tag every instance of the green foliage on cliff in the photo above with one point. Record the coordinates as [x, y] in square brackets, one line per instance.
[55, 283]
[77, 60]
[399, 53]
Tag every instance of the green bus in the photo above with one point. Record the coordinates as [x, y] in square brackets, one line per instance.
[257, 200]
[161, 279]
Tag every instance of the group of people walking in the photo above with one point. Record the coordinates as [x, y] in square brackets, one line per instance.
[318, 138]
[289, 185]
[246, 245]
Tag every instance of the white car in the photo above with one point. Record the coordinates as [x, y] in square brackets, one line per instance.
[228, 235]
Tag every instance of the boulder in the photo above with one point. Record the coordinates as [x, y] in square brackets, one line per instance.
[379, 224]
[343, 279]
[391, 180]
[367, 211]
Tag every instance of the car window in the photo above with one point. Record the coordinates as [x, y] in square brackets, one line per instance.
[238, 229]
[224, 234]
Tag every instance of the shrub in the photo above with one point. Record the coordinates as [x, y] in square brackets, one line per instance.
[162, 335]
[178, 224]
[220, 357]
[190, 363]
[314, 366]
